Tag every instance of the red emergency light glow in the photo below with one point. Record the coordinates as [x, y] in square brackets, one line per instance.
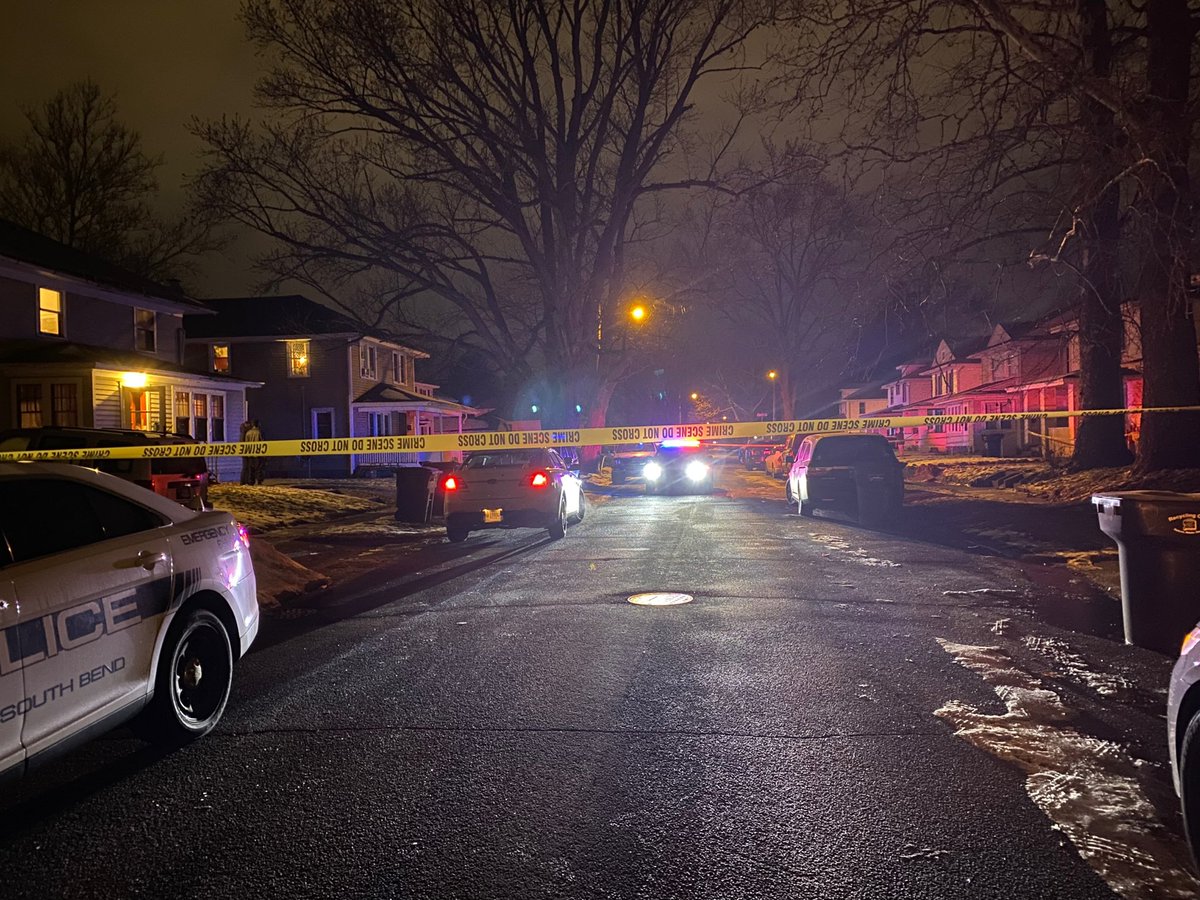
[681, 442]
[450, 484]
[244, 535]
[539, 479]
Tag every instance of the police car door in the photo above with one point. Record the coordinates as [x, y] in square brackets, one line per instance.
[12, 682]
[92, 573]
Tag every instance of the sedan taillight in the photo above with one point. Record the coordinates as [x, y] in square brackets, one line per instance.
[539, 479]
[450, 484]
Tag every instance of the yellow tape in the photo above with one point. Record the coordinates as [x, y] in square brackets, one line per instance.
[570, 437]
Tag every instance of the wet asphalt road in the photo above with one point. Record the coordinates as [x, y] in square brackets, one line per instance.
[504, 724]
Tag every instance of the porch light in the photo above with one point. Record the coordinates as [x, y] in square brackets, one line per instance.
[133, 379]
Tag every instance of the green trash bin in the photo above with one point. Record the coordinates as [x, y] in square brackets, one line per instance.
[1158, 539]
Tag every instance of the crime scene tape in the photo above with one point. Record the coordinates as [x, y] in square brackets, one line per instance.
[570, 437]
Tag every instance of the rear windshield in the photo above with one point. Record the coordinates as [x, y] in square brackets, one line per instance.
[848, 450]
[503, 458]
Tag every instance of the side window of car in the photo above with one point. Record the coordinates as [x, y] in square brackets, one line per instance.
[556, 461]
[118, 516]
[44, 516]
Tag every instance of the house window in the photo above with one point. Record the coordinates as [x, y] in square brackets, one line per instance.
[368, 361]
[220, 358]
[64, 405]
[322, 423]
[50, 311]
[200, 416]
[297, 359]
[29, 405]
[397, 368]
[183, 413]
[904, 392]
[140, 404]
[145, 335]
[379, 424]
[862, 409]
[217, 404]
[938, 428]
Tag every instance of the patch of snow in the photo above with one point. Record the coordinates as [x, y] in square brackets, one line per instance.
[1088, 787]
[1000, 626]
[1074, 666]
[980, 592]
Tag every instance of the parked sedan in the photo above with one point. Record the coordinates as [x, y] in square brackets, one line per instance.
[512, 489]
[1183, 735]
[856, 473]
[679, 467]
[115, 604]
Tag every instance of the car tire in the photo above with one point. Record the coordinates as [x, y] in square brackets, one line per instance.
[457, 535]
[558, 526]
[193, 680]
[804, 507]
[787, 491]
[618, 476]
[582, 508]
[1189, 784]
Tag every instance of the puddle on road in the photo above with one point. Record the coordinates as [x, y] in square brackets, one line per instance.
[1088, 787]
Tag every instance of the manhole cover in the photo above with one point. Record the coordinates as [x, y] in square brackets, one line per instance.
[660, 598]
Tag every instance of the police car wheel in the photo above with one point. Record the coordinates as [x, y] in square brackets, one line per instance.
[805, 508]
[558, 525]
[579, 514]
[457, 535]
[1189, 783]
[195, 673]
[787, 491]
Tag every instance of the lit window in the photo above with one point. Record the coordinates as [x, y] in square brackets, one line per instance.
[220, 358]
[297, 359]
[218, 416]
[29, 405]
[200, 416]
[50, 311]
[144, 332]
[64, 405]
[183, 413]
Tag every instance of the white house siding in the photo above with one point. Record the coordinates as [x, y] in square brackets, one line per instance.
[106, 399]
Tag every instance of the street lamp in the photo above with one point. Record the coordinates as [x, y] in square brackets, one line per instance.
[772, 375]
[695, 396]
[637, 313]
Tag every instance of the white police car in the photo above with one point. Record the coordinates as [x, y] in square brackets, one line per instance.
[115, 602]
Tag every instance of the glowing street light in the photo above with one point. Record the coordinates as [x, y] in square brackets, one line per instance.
[638, 313]
[695, 396]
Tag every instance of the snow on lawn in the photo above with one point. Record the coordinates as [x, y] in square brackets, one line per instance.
[262, 507]
[1040, 479]
[1089, 788]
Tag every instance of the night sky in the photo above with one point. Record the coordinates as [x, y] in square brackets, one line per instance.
[165, 61]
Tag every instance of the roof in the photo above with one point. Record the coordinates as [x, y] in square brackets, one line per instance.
[33, 249]
[287, 315]
[390, 393]
[70, 353]
[870, 392]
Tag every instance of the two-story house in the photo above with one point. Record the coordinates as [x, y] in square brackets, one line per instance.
[86, 343]
[863, 400]
[323, 375]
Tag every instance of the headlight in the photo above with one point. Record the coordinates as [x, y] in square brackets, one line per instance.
[652, 472]
[696, 470]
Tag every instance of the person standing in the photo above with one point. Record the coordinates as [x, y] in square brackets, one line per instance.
[247, 462]
[257, 464]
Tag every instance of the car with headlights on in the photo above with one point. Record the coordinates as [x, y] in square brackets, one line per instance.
[116, 604]
[854, 473]
[679, 467]
[1183, 735]
[626, 462]
[519, 488]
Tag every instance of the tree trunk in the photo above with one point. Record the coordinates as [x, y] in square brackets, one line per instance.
[596, 411]
[1170, 369]
[1100, 440]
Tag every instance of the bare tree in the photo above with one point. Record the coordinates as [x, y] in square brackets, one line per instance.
[488, 157]
[1087, 104]
[80, 176]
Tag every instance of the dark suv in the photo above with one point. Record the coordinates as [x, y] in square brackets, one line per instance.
[184, 480]
[856, 473]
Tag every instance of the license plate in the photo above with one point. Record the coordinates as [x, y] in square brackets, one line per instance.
[492, 515]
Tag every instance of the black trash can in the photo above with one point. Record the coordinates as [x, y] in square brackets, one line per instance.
[993, 445]
[1158, 538]
[414, 493]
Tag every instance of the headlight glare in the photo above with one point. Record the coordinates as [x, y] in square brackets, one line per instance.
[652, 472]
[696, 470]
